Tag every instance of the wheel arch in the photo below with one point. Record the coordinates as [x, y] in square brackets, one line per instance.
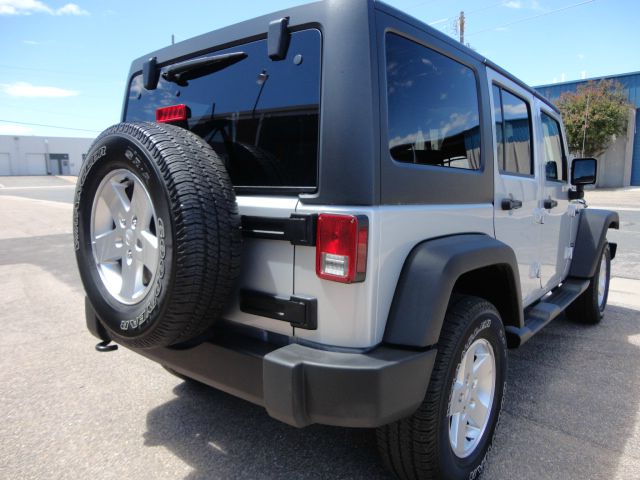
[472, 264]
[496, 284]
[590, 240]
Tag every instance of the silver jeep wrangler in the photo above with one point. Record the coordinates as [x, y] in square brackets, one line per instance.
[342, 215]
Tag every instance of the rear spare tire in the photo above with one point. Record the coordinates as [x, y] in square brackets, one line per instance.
[156, 233]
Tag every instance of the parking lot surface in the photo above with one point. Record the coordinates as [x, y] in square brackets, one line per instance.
[572, 407]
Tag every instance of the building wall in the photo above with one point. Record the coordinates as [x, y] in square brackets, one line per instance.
[614, 165]
[635, 167]
[38, 155]
[619, 166]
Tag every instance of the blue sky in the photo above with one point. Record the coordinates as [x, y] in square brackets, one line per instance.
[65, 64]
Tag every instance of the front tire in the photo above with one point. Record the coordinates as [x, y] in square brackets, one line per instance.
[589, 307]
[451, 432]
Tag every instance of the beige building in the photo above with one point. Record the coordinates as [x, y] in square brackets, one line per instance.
[30, 155]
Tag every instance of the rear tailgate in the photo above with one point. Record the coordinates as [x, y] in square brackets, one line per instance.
[261, 117]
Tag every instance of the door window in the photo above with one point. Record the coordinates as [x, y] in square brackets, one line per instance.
[513, 133]
[555, 163]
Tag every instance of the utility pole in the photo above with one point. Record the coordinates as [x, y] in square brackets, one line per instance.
[461, 27]
[586, 121]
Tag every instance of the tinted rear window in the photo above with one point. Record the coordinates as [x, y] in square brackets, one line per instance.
[433, 107]
[261, 116]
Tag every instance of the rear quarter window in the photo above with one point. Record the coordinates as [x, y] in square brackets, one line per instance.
[433, 111]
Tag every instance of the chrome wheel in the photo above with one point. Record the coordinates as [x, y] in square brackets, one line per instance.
[471, 397]
[123, 236]
[602, 281]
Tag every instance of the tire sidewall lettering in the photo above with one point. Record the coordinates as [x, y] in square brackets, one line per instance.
[90, 162]
[157, 154]
[491, 329]
[112, 153]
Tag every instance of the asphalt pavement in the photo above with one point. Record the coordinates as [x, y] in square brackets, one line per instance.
[572, 408]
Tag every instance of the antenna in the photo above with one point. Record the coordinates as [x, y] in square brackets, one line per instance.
[173, 39]
[461, 27]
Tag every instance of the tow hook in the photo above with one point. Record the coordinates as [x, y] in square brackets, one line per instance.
[106, 346]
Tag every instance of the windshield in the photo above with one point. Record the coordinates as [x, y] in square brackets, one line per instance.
[259, 115]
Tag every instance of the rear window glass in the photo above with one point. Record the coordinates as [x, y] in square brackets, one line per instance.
[433, 107]
[260, 116]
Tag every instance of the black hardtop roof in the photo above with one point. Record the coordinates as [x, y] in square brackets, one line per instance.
[306, 14]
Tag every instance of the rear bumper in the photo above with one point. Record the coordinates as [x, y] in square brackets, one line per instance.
[300, 385]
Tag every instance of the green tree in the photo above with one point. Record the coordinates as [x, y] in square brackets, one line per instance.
[593, 115]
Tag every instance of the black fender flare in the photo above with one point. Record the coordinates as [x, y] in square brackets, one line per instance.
[427, 280]
[590, 240]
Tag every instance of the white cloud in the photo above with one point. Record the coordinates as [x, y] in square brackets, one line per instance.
[516, 4]
[519, 4]
[71, 9]
[517, 110]
[31, 42]
[13, 129]
[24, 89]
[409, 139]
[22, 7]
[28, 7]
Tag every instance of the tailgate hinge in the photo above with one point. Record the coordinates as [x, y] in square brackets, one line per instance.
[299, 229]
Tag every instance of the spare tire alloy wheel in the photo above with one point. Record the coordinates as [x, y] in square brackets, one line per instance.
[123, 236]
[156, 233]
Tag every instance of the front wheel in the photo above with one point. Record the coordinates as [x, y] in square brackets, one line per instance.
[589, 307]
[451, 432]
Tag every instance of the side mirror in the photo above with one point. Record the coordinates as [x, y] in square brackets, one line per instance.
[583, 171]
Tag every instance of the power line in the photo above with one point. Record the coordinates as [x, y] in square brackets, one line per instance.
[532, 17]
[49, 126]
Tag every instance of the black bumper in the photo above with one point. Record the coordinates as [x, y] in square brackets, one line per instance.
[300, 385]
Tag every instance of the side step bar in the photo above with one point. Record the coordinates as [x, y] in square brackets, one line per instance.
[549, 307]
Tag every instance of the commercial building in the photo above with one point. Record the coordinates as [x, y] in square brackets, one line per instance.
[619, 166]
[26, 155]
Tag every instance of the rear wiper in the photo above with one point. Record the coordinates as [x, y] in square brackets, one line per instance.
[196, 68]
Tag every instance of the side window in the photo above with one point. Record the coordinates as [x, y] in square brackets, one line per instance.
[513, 127]
[553, 157]
[433, 107]
[497, 116]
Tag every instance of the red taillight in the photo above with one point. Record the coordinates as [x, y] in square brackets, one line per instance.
[174, 113]
[341, 247]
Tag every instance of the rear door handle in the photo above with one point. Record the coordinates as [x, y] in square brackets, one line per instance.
[511, 204]
[550, 203]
